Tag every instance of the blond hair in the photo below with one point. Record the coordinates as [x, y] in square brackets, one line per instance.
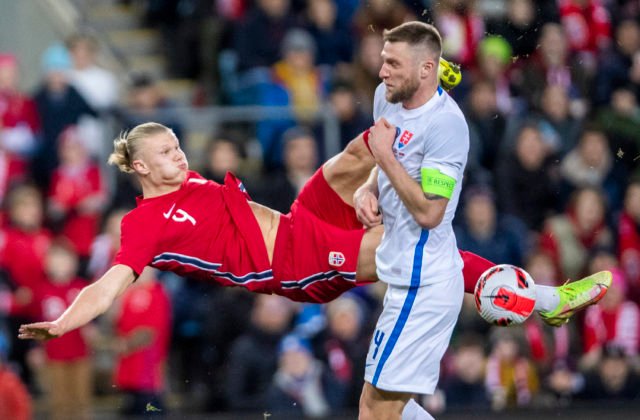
[415, 34]
[127, 145]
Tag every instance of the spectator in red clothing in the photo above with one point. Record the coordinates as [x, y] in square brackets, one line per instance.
[68, 367]
[462, 28]
[550, 348]
[143, 329]
[18, 113]
[615, 320]
[15, 401]
[629, 238]
[344, 347]
[511, 379]
[24, 242]
[588, 28]
[572, 235]
[552, 64]
[77, 193]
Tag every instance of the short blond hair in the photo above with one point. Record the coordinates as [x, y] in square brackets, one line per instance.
[415, 34]
[127, 145]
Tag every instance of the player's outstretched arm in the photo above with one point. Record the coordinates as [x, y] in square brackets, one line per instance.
[92, 301]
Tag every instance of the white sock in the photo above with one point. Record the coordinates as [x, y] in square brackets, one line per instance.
[413, 411]
[547, 298]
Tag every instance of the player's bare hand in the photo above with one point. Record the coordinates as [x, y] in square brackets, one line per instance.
[40, 331]
[381, 138]
[366, 205]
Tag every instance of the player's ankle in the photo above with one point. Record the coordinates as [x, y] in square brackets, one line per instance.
[547, 298]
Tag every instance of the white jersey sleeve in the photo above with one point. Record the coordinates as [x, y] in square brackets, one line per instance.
[449, 153]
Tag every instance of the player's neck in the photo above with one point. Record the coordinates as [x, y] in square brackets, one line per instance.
[154, 190]
[424, 93]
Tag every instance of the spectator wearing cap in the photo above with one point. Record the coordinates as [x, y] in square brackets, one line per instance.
[494, 61]
[297, 74]
[301, 386]
[59, 105]
[253, 357]
[343, 345]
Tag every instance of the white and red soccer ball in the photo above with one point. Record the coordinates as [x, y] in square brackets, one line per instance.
[505, 295]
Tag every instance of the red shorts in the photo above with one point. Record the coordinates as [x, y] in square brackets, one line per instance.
[317, 245]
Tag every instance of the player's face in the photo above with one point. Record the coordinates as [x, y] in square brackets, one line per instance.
[162, 160]
[400, 72]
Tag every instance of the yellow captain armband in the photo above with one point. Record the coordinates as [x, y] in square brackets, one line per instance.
[435, 182]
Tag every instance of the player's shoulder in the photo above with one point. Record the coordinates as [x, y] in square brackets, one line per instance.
[449, 115]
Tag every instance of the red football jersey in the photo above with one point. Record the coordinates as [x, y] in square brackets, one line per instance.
[52, 300]
[146, 306]
[203, 230]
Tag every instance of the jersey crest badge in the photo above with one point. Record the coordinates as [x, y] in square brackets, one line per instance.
[336, 259]
[405, 138]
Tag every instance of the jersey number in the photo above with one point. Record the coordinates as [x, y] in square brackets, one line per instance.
[179, 216]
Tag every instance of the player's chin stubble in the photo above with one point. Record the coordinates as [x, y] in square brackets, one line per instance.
[404, 92]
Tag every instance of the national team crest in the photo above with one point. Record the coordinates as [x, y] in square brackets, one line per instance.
[405, 138]
[336, 259]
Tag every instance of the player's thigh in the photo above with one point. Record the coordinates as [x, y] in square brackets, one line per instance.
[379, 404]
[412, 334]
[349, 169]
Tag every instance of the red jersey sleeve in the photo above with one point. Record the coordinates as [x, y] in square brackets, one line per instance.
[137, 244]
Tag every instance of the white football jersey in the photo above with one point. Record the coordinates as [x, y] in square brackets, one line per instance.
[434, 136]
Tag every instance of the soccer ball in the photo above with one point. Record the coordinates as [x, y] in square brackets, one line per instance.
[505, 295]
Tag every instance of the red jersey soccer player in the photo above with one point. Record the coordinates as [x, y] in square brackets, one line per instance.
[191, 226]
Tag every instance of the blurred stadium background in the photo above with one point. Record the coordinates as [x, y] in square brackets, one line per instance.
[269, 89]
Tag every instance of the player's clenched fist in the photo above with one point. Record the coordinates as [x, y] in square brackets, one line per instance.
[381, 138]
[366, 204]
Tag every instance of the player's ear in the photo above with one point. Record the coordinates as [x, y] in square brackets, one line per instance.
[140, 167]
[426, 67]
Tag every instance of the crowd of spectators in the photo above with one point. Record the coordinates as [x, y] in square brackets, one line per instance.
[550, 91]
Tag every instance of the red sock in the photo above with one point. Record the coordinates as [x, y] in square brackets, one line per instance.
[474, 266]
[365, 136]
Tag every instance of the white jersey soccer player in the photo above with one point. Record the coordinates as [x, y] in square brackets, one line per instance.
[422, 267]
